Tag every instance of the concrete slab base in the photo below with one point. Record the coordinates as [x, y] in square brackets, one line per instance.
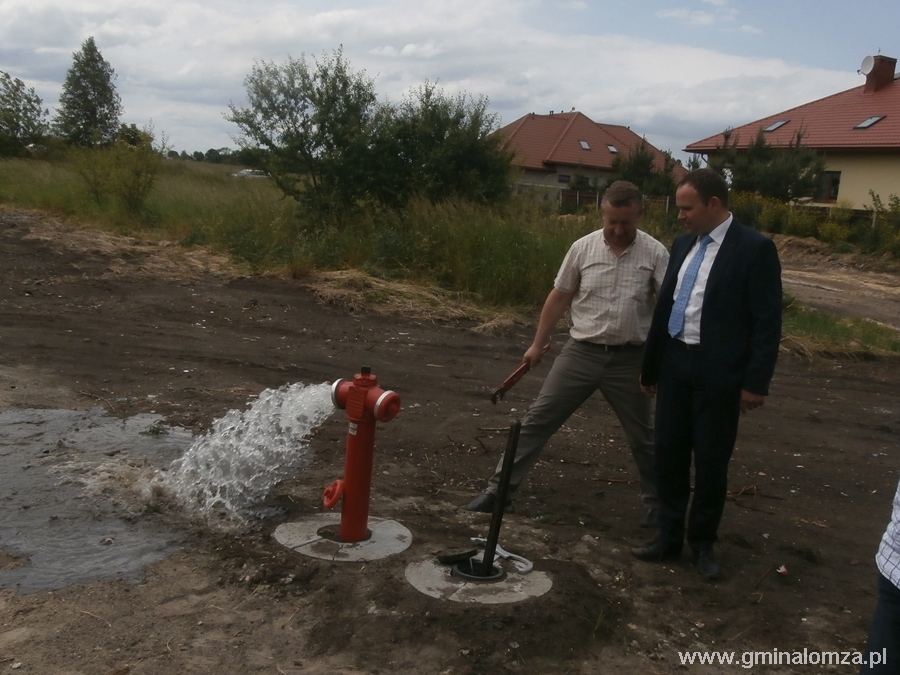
[434, 579]
[388, 537]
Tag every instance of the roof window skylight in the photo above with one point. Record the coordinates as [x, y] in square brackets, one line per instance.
[866, 123]
[611, 148]
[584, 145]
[776, 125]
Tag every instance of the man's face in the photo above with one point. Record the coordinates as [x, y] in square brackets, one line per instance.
[698, 218]
[620, 223]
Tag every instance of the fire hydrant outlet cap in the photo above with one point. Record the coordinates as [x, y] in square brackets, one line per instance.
[335, 399]
[387, 406]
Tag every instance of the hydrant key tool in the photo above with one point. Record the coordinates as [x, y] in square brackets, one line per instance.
[512, 379]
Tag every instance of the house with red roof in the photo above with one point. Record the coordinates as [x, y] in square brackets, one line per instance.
[550, 150]
[857, 131]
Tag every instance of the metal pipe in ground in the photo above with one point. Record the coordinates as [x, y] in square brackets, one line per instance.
[509, 456]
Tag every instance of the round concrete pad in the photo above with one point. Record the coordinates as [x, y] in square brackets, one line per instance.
[388, 537]
[435, 580]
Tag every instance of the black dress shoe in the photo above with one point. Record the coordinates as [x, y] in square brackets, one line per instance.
[657, 551]
[484, 503]
[707, 567]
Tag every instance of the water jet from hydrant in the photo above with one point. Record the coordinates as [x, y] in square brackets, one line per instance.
[226, 473]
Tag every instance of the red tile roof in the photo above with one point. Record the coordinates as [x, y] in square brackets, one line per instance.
[827, 124]
[544, 141]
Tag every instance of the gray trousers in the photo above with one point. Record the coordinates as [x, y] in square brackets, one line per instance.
[581, 369]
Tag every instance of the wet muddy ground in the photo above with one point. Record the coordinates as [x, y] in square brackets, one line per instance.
[89, 320]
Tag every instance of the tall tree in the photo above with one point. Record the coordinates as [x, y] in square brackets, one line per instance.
[320, 132]
[313, 122]
[638, 167]
[783, 172]
[89, 106]
[442, 146]
[22, 115]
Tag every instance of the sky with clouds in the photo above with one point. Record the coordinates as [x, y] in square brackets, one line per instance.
[674, 71]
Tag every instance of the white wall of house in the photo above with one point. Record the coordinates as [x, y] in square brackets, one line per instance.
[551, 179]
[861, 172]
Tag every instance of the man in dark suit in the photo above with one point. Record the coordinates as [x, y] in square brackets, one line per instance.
[709, 357]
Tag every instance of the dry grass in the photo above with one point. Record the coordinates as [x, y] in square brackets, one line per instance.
[354, 290]
[142, 257]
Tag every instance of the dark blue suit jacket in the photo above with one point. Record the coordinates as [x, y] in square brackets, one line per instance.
[740, 322]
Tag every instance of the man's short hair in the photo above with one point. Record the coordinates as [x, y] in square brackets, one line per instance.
[708, 184]
[623, 193]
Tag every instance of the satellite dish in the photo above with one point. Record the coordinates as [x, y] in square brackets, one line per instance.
[867, 65]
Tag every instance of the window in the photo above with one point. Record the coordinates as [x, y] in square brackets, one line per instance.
[611, 148]
[866, 123]
[775, 125]
[828, 187]
[563, 178]
[584, 145]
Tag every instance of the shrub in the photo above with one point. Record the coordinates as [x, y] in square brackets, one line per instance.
[773, 215]
[834, 232]
[799, 222]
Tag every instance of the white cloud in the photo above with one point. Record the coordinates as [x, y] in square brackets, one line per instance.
[690, 17]
[181, 63]
[577, 5]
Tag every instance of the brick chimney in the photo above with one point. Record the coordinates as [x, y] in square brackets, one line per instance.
[881, 74]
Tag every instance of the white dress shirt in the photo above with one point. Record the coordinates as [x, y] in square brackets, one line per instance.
[691, 331]
[888, 557]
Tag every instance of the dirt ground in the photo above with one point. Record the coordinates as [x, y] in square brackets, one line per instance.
[89, 319]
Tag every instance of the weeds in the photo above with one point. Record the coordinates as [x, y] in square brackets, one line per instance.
[501, 258]
[156, 429]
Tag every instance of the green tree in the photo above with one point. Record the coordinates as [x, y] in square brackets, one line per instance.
[136, 164]
[125, 170]
[219, 156]
[638, 167]
[440, 146]
[313, 124]
[89, 106]
[22, 116]
[786, 173]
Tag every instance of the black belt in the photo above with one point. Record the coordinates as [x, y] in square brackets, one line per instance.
[681, 344]
[615, 348]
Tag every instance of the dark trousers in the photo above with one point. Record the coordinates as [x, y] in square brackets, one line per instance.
[696, 415]
[884, 635]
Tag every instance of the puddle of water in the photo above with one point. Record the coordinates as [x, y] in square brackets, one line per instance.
[87, 497]
[61, 534]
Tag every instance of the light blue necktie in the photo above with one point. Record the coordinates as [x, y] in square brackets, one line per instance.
[676, 318]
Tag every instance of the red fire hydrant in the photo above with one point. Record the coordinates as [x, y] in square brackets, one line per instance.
[365, 403]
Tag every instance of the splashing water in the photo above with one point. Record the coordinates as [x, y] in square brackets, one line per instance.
[227, 472]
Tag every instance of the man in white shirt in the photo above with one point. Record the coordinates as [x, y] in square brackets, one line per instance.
[609, 281]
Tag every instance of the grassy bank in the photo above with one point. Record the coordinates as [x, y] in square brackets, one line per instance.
[810, 332]
[503, 258]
